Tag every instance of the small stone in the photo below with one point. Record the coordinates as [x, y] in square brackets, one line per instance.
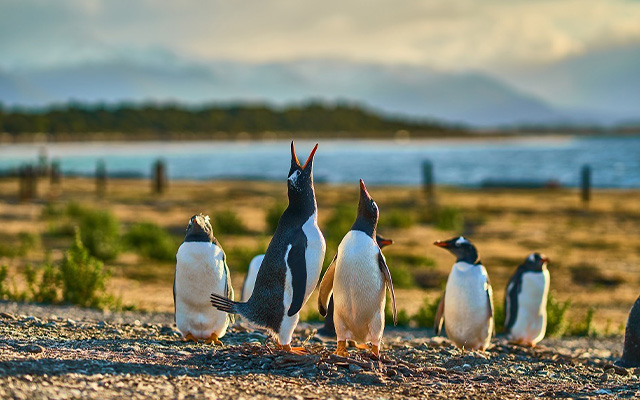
[137, 323]
[33, 348]
[466, 367]
[457, 368]
[69, 321]
[31, 318]
[391, 373]
[7, 315]
[354, 368]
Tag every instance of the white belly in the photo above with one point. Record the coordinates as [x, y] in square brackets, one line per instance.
[250, 279]
[531, 318]
[358, 290]
[467, 317]
[199, 272]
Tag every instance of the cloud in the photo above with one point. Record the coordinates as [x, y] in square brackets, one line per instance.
[455, 34]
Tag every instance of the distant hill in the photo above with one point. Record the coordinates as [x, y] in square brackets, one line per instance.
[419, 92]
[158, 120]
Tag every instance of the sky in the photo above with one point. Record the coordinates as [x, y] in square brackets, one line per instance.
[484, 35]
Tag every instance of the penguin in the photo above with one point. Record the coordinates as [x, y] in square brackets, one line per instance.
[358, 277]
[292, 263]
[525, 301]
[466, 305]
[250, 278]
[200, 268]
[328, 331]
[631, 351]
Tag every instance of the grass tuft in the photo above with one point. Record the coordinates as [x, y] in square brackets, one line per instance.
[556, 316]
[151, 241]
[227, 222]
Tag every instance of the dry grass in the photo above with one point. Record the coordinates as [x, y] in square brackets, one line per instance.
[506, 226]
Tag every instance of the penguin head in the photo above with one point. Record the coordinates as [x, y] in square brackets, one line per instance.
[382, 242]
[199, 229]
[367, 218]
[535, 262]
[460, 247]
[300, 176]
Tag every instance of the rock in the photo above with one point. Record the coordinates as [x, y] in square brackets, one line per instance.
[33, 348]
[369, 378]
[7, 316]
[466, 367]
[354, 368]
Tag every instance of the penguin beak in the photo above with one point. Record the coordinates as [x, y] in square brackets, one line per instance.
[385, 242]
[313, 152]
[544, 258]
[440, 243]
[363, 188]
[294, 157]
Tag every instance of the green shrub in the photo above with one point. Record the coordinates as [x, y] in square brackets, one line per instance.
[401, 277]
[28, 241]
[448, 218]
[426, 315]
[151, 241]
[339, 224]
[499, 316]
[4, 288]
[403, 318]
[227, 222]
[585, 327]
[556, 316]
[100, 234]
[273, 217]
[312, 316]
[397, 219]
[238, 258]
[43, 286]
[83, 277]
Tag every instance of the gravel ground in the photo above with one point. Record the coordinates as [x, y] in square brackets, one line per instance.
[67, 352]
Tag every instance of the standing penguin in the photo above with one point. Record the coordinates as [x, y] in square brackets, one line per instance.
[631, 350]
[201, 267]
[358, 277]
[250, 278]
[292, 263]
[525, 301]
[329, 329]
[467, 303]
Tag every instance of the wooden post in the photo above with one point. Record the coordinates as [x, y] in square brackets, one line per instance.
[586, 184]
[428, 185]
[159, 177]
[32, 173]
[101, 178]
[22, 179]
[55, 175]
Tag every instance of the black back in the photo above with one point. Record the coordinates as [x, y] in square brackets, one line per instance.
[265, 306]
[367, 218]
[631, 351]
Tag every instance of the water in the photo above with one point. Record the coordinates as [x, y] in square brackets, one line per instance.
[615, 161]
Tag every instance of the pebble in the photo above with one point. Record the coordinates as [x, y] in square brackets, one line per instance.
[354, 368]
[33, 348]
[7, 315]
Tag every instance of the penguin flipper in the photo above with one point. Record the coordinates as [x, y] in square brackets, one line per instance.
[175, 274]
[489, 290]
[511, 301]
[228, 287]
[326, 287]
[382, 263]
[297, 264]
[439, 320]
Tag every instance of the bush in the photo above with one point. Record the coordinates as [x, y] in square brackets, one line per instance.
[238, 258]
[397, 219]
[273, 216]
[556, 316]
[499, 316]
[151, 241]
[227, 222]
[448, 219]
[100, 233]
[4, 289]
[83, 277]
[585, 327]
[311, 316]
[403, 318]
[28, 241]
[43, 287]
[401, 277]
[426, 315]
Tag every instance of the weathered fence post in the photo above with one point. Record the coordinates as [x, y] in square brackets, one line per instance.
[101, 178]
[22, 180]
[32, 173]
[159, 177]
[585, 183]
[428, 185]
[55, 175]
[28, 182]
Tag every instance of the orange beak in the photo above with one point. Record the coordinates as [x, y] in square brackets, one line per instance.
[310, 155]
[293, 152]
[386, 242]
[363, 187]
[440, 243]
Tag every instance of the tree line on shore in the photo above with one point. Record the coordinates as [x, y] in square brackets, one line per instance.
[159, 119]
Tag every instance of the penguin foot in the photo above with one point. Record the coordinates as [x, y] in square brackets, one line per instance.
[213, 339]
[341, 350]
[295, 350]
[362, 346]
[352, 343]
[375, 350]
[190, 338]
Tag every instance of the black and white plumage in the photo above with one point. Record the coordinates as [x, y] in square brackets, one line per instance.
[525, 301]
[358, 277]
[201, 268]
[631, 350]
[466, 307]
[292, 263]
[328, 330]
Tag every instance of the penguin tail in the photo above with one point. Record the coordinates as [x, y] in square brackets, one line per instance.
[224, 304]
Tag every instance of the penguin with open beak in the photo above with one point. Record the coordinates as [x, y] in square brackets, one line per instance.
[292, 263]
[358, 277]
[525, 301]
[328, 330]
[466, 307]
[201, 267]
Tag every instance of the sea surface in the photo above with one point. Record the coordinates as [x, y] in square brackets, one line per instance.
[614, 161]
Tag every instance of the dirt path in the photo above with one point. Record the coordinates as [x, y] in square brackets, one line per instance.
[66, 352]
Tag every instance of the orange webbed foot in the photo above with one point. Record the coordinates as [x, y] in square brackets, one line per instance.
[214, 339]
[341, 349]
[190, 338]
